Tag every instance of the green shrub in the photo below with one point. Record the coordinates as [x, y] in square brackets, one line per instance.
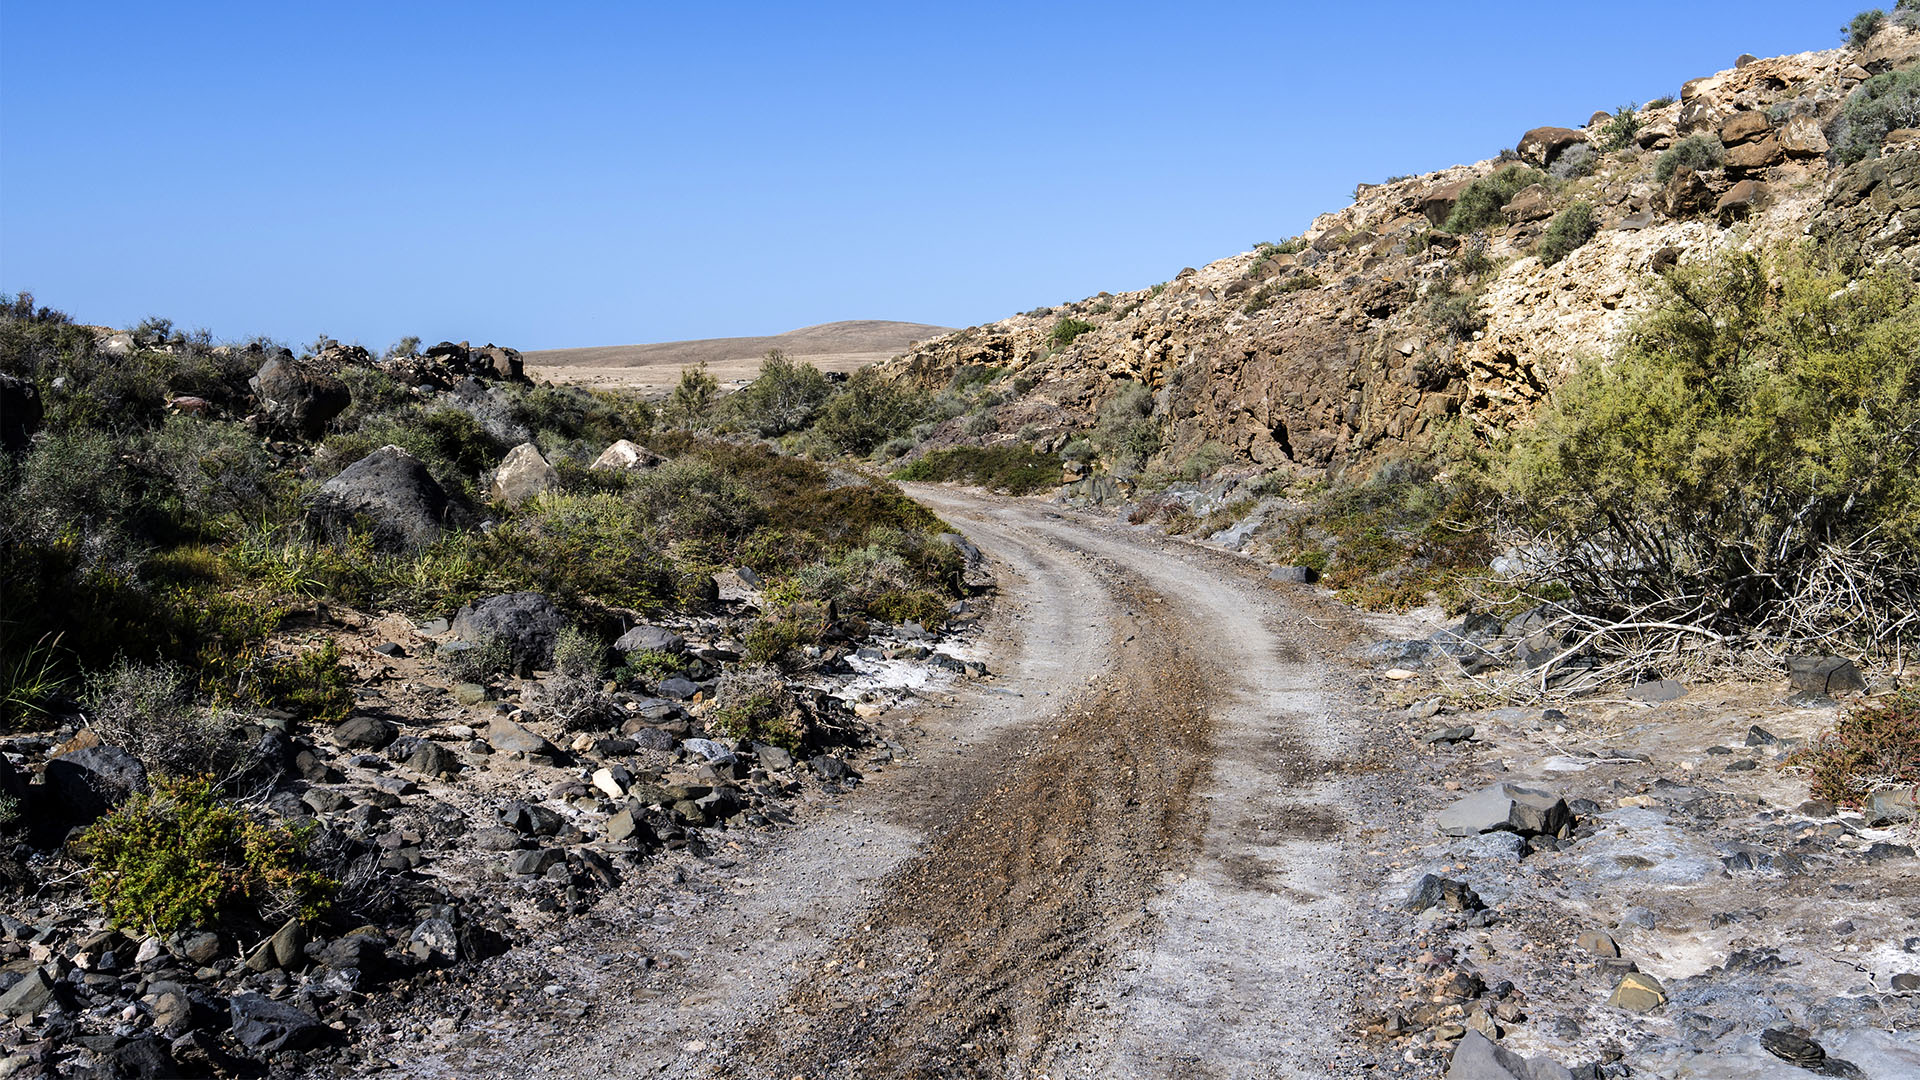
[1876, 744]
[583, 550]
[909, 605]
[1863, 26]
[1480, 204]
[579, 654]
[1749, 447]
[1066, 330]
[1696, 152]
[866, 412]
[1015, 469]
[752, 703]
[651, 666]
[1569, 229]
[784, 398]
[691, 403]
[1619, 132]
[1880, 105]
[1125, 430]
[775, 641]
[1456, 313]
[182, 857]
[314, 686]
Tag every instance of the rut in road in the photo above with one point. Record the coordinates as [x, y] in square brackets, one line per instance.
[975, 953]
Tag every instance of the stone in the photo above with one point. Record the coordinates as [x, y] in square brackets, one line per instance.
[1740, 201]
[201, 948]
[83, 785]
[1801, 136]
[1543, 144]
[298, 398]
[1755, 156]
[495, 838]
[1292, 575]
[1480, 1058]
[537, 862]
[1598, 943]
[626, 455]
[532, 819]
[1506, 807]
[1449, 736]
[389, 489]
[470, 693]
[613, 780]
[1657, 690]
[1759, 736]
[526, 622]
[29, 997]
[1438, 202]
[522, 475]
[1824, 675]
[1685, 195]
[645, 638]
[1638, 992]
[365, 733]
[1432, 890]
[1906, 982]
[1534, 203]
[266, 1026]
[677, 688]
[625, 826]
[433, 759]
[1745, 127]
[508, 737]
[1887, 806]
[434, 942]
[1793, 1049]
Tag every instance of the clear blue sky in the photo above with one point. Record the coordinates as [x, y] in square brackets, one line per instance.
[543, 175]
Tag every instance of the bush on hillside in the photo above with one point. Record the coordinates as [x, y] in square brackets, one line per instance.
[866, 412]
[1880, 105]
[784, 398]
[181, 857]
[1015, 469]
[1569, 229]
[1480, 204]
[1619, 132]
[1066, 330]
[1863, 26]
[1747, 464]
[691, 403]
[1125, 431]
[1696, 152]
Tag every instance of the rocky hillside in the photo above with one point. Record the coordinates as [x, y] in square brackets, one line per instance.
[1466, 293]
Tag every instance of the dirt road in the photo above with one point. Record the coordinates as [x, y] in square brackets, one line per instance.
[1123, 857]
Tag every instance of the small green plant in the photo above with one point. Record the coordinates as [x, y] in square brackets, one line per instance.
[774, 641]
[1066, 330]
[1880, 105]
[752, 703]
[652, 665]
[1876, 744]
[1456, 313]
[30, 678]
[1863, 26]
[1569, 229]
[579, 654]
[474, 661]
[1693, 152]
[1018, 470]
[1619, 132]
[691, 403]
[181, 856]
[314, 686]
[909, 605]
[1480, 204]
[1661, 102]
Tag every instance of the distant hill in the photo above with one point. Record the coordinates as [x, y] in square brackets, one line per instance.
[859, 337]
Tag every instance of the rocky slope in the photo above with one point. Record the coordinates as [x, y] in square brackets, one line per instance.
[1380, 329]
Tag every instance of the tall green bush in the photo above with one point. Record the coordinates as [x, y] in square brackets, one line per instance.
[1749, 462]
[1480, 204]
[1880, 105]
[1569, 229]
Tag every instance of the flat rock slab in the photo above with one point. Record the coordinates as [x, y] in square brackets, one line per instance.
[1506, 807]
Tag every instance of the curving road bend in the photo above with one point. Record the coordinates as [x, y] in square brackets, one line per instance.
[1126, 856]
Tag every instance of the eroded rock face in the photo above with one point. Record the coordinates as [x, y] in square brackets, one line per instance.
[388, 490]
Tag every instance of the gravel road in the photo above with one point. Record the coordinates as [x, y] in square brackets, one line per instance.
[1121, 857]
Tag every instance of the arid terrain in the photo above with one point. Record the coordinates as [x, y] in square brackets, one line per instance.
[653, 369]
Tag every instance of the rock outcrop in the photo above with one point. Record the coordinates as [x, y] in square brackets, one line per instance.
[1372, 332]
[388, 492]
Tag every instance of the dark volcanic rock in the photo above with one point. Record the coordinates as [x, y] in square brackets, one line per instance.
[87, 783]
[267, 1026]
[389, 490]
[526, 622]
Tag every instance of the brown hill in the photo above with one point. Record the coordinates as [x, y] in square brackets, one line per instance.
[654, 368]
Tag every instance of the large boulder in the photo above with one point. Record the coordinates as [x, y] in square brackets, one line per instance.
[1745, 127]
[20, 413]
[527, 623]
[388, 490]
[85, 784]
[1480, 1058]
[522, 475]
[498, 361]
[298, 399]
[645, 638]
[626, 455]
[1531, 203]
[1437, 203]
[1543, 144]
[1823, 675]
[1686, 195]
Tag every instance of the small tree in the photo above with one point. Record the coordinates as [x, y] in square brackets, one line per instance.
[785, 397]
[691, 402]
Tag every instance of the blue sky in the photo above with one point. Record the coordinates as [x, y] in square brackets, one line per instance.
[544, 175]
